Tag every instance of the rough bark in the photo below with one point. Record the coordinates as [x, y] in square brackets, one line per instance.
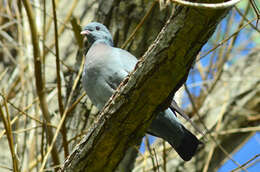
[164, 66]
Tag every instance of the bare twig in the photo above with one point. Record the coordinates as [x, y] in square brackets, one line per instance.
[222, 5]
[226, 39]
[63, 116]
[237, 130]
[164, 157]
[205, 127]
[8, 129]
[66, 20]
[40, 85]
[61, 107]
[139, 25]
[244, 16]
[26, 114]
[250, 160]
[206, 166]
[147, 144]
[256, 10]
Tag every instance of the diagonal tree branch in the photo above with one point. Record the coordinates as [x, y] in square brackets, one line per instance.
[159, 73]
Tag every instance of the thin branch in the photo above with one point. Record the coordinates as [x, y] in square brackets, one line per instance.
[256, 10]
[73, 106]
[237, 130]
[213, 147]
[66, 20]
[61, 107]
[7, 168]
[147, 145]
[139, 25]
[26, 129]
[226, 39]
[8, 129]
[221, 5]
[156, 159]
[244, 16]
[63, 116]
[164, 157]
[250, 160]
[40, 85]
[206, 128]
[26, 114]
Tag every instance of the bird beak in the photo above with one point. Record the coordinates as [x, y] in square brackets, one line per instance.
[84, 32]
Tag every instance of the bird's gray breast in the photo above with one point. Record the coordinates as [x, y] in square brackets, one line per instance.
[104, 69]
[95, 84]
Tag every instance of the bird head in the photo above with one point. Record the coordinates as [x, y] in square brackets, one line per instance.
[95, 31]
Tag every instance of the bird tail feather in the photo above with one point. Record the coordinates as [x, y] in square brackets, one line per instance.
[168, 127]
[188, 146]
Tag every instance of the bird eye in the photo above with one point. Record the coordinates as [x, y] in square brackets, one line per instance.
[97, 28]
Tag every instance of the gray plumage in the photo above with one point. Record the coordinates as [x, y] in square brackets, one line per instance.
[106, 66]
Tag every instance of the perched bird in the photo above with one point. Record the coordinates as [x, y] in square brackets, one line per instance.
[106, 66]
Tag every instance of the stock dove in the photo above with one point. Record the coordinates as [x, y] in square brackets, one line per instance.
[106, 66]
